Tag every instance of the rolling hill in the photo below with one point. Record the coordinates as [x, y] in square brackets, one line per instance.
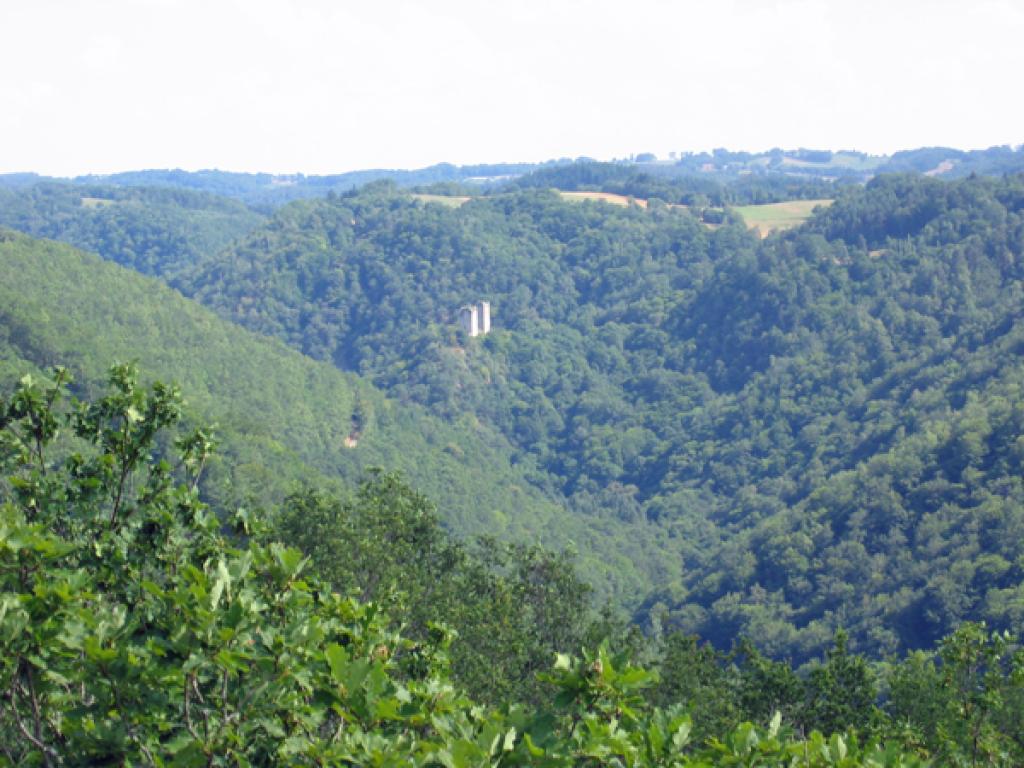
[736, 394]
[769, 437]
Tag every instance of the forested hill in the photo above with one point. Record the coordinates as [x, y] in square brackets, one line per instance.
[822, 425]
[282, 418]
[771, 438]
[151, 230]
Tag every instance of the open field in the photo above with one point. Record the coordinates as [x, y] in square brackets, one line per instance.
[776, 216]
[608, 197]
[840, 160]
[450, 201]
[96, 202]
[611, 197]
[764, 218]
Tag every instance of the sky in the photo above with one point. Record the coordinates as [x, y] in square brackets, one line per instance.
[326, 86]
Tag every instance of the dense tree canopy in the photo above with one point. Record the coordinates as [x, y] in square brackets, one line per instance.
[139, 626]
[785, 413]
[280, 418]
[774, 438]
[154, 231]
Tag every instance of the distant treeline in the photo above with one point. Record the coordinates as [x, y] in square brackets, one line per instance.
[738, 177]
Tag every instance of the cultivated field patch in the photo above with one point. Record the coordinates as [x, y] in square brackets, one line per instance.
[452, 201]
[608, 197]
[778, 216]
[96, 202]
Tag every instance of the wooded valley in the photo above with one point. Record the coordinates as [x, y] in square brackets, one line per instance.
[698, 497]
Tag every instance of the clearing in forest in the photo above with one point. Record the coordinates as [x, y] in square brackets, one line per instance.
[452, 201]
[96, 202]
[613, 198]
[455, 201]
[777, 216]
[608, 197]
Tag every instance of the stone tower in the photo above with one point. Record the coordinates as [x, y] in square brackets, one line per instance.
[484, 316]
[469, 319]
[475, 319]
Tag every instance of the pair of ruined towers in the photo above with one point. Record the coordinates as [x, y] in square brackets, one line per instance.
[475, 319]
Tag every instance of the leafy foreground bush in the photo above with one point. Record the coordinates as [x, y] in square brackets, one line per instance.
[135, 630]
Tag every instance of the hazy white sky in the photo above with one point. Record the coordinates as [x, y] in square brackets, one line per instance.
[323, 86]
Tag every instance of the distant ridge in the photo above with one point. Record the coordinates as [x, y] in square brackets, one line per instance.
[274, 189]
[263, 189]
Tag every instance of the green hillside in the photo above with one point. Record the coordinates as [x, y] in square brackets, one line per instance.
[773, 438]
[152, 230]
[138, 628]
[754, 439]
[281, 416]
[734, 394]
